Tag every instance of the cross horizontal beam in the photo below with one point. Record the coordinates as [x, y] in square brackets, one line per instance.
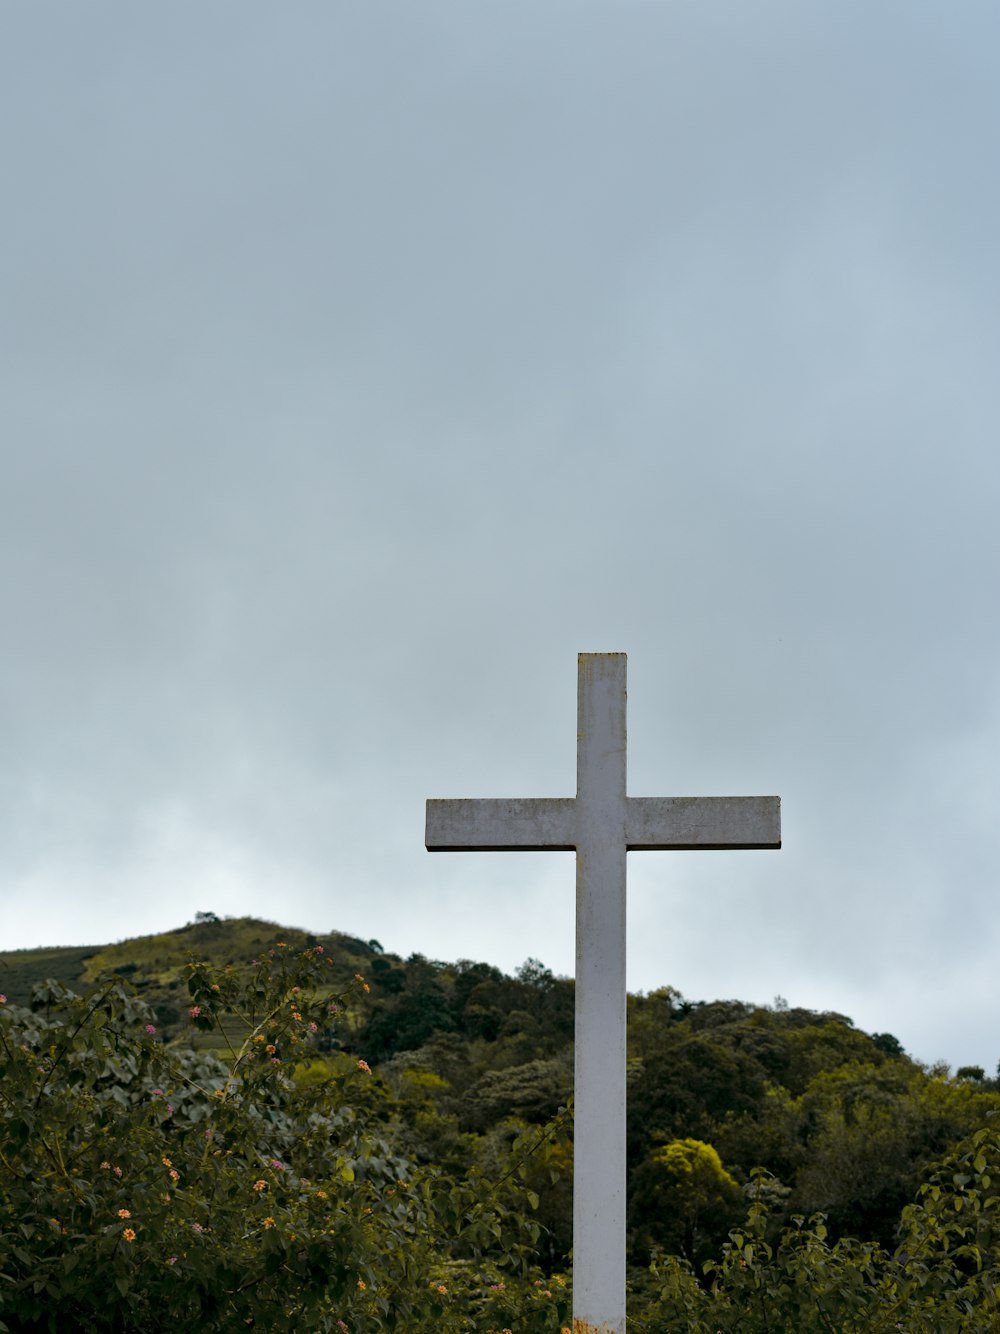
[652, 824]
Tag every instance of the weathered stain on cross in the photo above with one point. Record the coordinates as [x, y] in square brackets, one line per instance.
[601, 823]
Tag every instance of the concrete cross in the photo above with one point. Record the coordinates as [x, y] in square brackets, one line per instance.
[601, 823]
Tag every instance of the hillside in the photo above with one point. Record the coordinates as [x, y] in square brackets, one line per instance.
[465, 1057]
[157, 965]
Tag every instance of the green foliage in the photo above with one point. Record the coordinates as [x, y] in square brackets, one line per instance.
[942, 1279]
[146, 1187]
[787, 1171]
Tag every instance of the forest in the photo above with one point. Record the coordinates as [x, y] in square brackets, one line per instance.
[237, 1124]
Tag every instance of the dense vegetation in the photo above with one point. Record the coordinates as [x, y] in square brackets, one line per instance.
[239, 1125]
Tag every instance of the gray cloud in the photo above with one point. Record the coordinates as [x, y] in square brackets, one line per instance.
[360, 368]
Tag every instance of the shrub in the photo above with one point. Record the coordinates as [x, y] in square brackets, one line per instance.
[147, 1187]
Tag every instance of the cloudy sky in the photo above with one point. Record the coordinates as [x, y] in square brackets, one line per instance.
[362, 363]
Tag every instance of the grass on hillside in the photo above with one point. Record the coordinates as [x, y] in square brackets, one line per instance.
[157, 965]
[21, 969]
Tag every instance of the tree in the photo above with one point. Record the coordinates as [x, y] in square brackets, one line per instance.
[683, 1200]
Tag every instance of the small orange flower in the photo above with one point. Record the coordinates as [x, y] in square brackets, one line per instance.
[124, 1213]
[129, 1234]
[363, 1065]
[269, 1221]
[362, 1285]
[260, 1185]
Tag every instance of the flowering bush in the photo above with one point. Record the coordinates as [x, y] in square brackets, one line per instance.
[147, 1187]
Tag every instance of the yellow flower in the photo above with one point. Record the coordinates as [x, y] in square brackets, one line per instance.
[269, 1221]
[124, 1213]
[129, 1234]
[362, 1285]
[166, 1162]
[260, 1185]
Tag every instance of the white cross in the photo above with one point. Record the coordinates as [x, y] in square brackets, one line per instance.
[601, 823]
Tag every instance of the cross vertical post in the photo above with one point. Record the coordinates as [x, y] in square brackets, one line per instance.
[601, 824]
[599, 1058]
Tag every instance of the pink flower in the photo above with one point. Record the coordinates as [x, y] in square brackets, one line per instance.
[150, 1028]
[194, 1011]
[363, 1065]
[3, 999]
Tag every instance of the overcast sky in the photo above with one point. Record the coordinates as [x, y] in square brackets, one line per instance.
[362, 363]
